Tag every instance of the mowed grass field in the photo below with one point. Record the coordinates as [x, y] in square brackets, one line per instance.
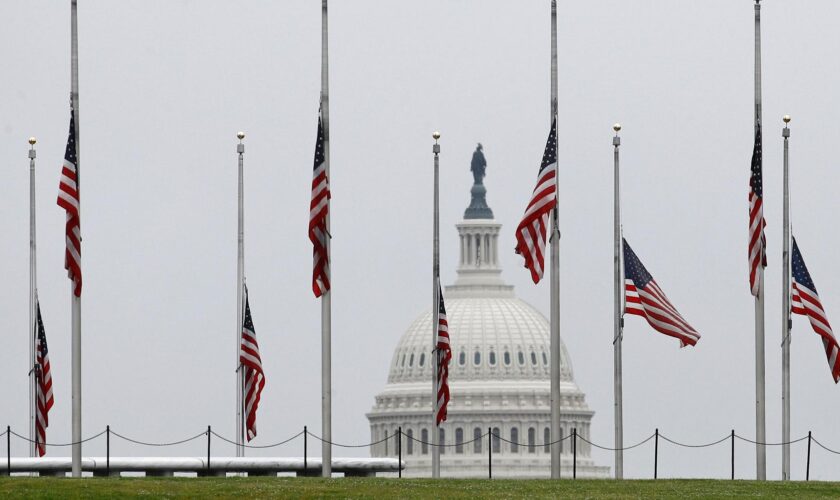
[264, 487]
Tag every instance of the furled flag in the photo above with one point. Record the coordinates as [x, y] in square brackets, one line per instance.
[530, 234]
[43, 384]
[806, 302]
[319, 208]
[643, 297]
[68, 199]
[249, 356]
[757, 246]
[444, 355]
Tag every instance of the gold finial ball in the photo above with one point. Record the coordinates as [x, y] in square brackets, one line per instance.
[32, 141]
[240, 135]
[617, 127]
[435, 135]
[786, 118]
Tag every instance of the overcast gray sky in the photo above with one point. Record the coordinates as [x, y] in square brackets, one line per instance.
[165, 86]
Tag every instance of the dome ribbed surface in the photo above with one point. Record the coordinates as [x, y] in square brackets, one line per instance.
[491, 338]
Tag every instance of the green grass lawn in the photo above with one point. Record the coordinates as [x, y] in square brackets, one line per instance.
[29, 487]
[264, 487]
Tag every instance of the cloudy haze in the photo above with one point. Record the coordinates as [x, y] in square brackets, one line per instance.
[165, 86]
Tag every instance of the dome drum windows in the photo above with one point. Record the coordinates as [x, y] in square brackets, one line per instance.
[547, 440]
[492, 358]
[477, 358]
[514, 440]
[507, 358]
[462, 358]
[409, 442]
[521, 358]
[533, 358]
[532, 440]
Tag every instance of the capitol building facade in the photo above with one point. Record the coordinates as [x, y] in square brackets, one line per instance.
[498, 377]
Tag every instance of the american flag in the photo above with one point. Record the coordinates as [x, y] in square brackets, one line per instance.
[530, 234]
[68, 199]
[43, 384]
[249, 357]
[758, 244]
[444, 355]
[319, 208]
[643, 297]
[806, 302]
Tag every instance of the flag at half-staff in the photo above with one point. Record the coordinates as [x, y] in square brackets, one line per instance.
[444, 355]
[806, 301]
[757, 249]
[43, 384]
[531, 232]
[643, 297]
[68, 199]
[319, 208]
[249, 356]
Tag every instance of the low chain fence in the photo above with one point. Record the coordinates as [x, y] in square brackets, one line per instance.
[399, 436]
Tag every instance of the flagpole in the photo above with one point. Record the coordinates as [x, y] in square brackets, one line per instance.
[240, 279]
[786, 323]
[760, 405]
[618, 323]
[436, 311]
[326, 298]
[76, 314]
[33, 280]
[555, 273]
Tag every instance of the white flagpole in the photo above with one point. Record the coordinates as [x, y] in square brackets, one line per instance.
[435, 312]
[33, 283]
[555, 272]
[76, 315]
[618, 324]
[760, 405]
[240, 280]
[786, 323]
[326, 298]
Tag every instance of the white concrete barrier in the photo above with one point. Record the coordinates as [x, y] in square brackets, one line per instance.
[219, 466]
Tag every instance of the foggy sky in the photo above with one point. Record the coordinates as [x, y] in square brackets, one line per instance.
[165, 86]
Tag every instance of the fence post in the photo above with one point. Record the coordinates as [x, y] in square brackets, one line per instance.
[108, 451]
[808, 462]
[208, 450]
[8, 450]
[386, 443]
[733, 454]
[656, 454]
[305, 468]
[574, 453]
[490, 453]
[399, 450]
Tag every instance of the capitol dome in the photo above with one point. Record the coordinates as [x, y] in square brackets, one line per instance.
[499, 377]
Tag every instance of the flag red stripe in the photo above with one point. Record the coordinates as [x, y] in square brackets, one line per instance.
[651, 303]
[807, 303]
